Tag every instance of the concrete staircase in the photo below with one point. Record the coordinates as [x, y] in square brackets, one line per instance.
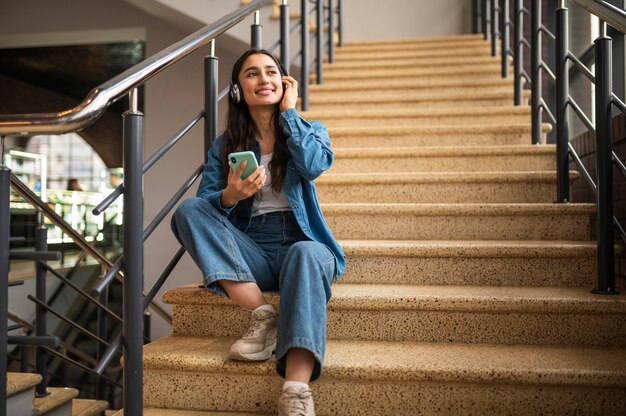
[467, 289]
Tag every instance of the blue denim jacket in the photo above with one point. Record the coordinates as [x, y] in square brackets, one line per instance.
[309, 145]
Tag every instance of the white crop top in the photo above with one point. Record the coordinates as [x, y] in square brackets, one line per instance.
[269, 201]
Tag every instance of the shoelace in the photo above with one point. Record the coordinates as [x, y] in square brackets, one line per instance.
[298, 404]
[256, 327]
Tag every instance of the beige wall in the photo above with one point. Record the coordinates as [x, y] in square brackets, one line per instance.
[174, 97]
[389, 19]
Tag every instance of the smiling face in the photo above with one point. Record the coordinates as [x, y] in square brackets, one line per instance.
[260, 81]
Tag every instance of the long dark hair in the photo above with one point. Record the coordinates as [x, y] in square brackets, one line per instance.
[241, 131]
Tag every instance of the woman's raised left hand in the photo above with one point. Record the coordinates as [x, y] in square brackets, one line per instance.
[290, 97]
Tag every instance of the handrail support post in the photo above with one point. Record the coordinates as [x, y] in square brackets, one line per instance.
[284, 35]
[320, 42]
[562, 99]
[604, 166]
[5, 220]
[535, 63]
[41, 244]
[256, 33]
[133, 263]
[211, 92]
[304, 55]
[504, 35]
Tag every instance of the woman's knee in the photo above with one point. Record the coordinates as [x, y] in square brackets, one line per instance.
[310, 251]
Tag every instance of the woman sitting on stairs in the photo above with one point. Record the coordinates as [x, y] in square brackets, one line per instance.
[266, 232]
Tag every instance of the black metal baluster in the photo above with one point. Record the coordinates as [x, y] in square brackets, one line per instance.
[284, 34]
[256, 33]
[604, 163]
[535, 63]
[211, 91]
[319, 49]
[562, 98]
[41, 245]
[133, 259]
[304, 56]
[5, 220]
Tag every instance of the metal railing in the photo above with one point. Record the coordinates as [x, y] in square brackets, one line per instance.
[486, 16]
[129, 268]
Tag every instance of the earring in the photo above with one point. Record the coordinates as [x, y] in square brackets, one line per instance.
[235, 93]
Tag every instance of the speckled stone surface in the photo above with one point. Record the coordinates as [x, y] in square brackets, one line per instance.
[463, 71]
[443, 159]
[513, 263]
[352, 54]
[18, 382]
[84, 407]
[491, 97]
[366, 372]
[179, 412]
[431, 314]
[422, 116]
[411, 84]
[439, 187]
[460, 221]
[58, 397]
[392, 136]
[416, 42]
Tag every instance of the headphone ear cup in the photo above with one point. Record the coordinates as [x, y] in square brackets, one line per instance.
[235, 93]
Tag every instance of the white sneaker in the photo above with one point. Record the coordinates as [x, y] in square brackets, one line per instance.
[296, 401]
[259, 342]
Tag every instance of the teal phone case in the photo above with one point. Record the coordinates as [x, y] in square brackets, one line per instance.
[238, 157]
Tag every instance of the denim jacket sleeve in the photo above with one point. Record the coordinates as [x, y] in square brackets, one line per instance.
[308, 143]
[213, 182]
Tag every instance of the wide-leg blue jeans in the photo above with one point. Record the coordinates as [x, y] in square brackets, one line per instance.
[274, 253]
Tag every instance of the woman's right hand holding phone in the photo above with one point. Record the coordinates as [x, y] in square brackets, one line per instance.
[239, 189]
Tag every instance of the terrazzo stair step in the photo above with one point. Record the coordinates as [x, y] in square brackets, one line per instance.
[466, 262]
[180, 412]
[444, 159]
[395, 378]
[84, 407]
[430, 313]
[399, 136]
[413, 117]
[485, 97]
[439, 187]
[344, 54]
[386, 221]
[409, 85]
[418, 62]
[462, 71]
[57, 403]
[439, 88]
[434, 42]
[21, 392]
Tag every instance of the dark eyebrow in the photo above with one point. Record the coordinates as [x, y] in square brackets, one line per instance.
[256, 68]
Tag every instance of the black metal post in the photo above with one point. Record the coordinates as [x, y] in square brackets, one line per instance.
[486, 18]
[147, 327]
[476, 13]
[284, 35]
[133, 260]
[5, 220]
[535, 63]
[504, 34]
[41, 244]
[210, 99]
[331, 32]
[319, 49]
[562, 98]
[518, 52]
[340, 23]
[604, 165]
[256, 33]
[304, 62]
[495, 9]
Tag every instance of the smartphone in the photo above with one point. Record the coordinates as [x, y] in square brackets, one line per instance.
[238, 157]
